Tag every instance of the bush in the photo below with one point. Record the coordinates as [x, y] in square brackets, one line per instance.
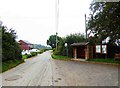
[29, 55]
[42, 50]
[10, 64]
[53, 49]
[10, 48]
[59, 57]
[69, 39]
[56, 52]
[24, 56]
[33, 53]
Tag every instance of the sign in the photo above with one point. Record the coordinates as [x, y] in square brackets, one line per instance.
[104, 49]
[98, 48]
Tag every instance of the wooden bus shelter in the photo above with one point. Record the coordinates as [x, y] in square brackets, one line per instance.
[82, 50]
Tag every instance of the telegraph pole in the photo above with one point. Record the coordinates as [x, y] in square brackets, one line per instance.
[57, 20]
[85, 27]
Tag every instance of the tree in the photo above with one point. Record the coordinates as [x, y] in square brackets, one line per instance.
[74, 38]
[10, 48]
[52, 40]
[69, 39]
[105, 21]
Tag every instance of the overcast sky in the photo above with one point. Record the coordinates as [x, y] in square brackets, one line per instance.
[34, 20]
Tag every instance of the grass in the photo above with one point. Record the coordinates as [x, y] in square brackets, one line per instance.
[24, 56]
[10, 64]
[59, 57]
[28, 56]
[107, 60]
[13, 63]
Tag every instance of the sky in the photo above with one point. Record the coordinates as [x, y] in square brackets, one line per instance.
[35, 20]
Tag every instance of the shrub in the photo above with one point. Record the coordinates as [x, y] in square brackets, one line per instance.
[53, 49]
[33, 53]
[10, 64]
[10, 48]
[56, 52]
[42, 50]
[24, 56]
[69, 39]
[29, 55]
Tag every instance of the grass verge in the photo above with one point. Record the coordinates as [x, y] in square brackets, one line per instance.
[59, 57]
[107, 60]
[24, 56]
[29, 55]
[10, 64]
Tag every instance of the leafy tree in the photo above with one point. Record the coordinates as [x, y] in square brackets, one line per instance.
[105, 21]
[69, 39]
[74, 38]
[10, 48]
[61, 47]
[52, 40]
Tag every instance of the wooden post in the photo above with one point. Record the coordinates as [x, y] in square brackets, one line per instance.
[87, 53]
[75, 52]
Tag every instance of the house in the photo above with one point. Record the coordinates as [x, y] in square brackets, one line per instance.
[25, 45]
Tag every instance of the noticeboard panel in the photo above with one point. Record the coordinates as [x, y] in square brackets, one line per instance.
[104, 49]
[98, 48]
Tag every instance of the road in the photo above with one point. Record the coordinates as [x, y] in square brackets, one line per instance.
[42, 70]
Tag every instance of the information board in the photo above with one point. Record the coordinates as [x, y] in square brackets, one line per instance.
[104, 49]
[98, 48]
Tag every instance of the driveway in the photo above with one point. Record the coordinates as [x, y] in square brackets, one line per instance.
[42, 70]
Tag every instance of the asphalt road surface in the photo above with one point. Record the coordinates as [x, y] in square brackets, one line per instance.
[42, 70]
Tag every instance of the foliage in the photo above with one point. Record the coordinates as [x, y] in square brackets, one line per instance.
[107, 60]
[24, 56]
[69, 39]
[74, 38]
[10, 48]
[105, 22]
[52, 40]
[33, 53]
[29, 55]
[10, 64]
[53, 49]
[61, 48]
[59, 57]
[43, 50]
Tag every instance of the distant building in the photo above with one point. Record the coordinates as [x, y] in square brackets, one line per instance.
[25, 45]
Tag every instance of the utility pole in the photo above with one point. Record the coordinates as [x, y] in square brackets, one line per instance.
[56, 40]
[85, 27]
[57, 20]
